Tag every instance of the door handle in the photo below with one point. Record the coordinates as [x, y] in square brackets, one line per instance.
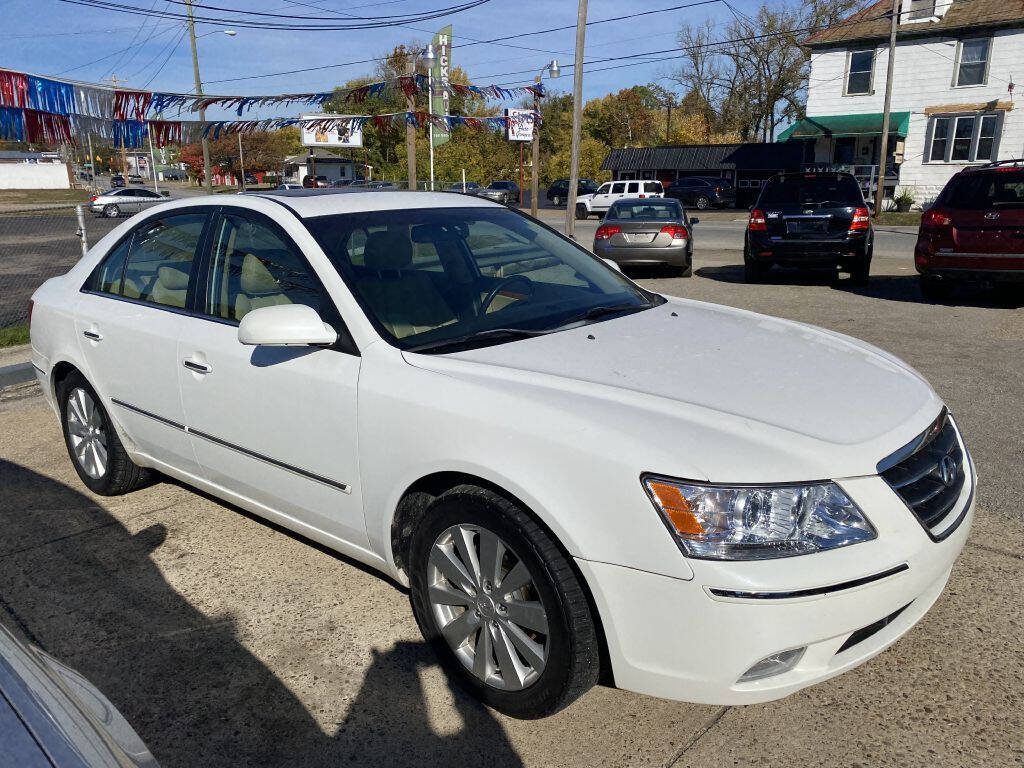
[93, 335]
[192, 365]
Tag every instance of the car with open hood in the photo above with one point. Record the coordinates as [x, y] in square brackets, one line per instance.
[574, 475]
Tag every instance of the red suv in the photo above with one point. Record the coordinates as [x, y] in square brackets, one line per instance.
[974, 230]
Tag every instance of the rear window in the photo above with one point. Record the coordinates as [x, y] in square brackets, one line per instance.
[991, 189]
[646, 210]
[800, 190]
[652, 187]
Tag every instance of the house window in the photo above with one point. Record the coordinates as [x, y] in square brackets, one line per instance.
[964, 138]
[858, 80]
[972, 62]
[921, 9]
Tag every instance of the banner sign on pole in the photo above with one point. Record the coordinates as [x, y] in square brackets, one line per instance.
[441, 75]
[337, 135]
[520, 124]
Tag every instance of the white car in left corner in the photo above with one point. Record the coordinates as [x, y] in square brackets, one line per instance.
[573, 474]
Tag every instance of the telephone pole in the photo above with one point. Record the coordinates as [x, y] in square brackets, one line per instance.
[883, 149]
[410, 130]
[577, 118]
[207, 171]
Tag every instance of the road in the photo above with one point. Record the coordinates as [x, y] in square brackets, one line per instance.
[227, 641]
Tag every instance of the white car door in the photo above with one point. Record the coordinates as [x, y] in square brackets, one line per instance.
[128, 319]
[273, 425]
[602, 198]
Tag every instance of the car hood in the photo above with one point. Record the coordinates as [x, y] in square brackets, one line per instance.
[743, 397]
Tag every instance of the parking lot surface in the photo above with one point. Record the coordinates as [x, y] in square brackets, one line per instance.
[226, 641]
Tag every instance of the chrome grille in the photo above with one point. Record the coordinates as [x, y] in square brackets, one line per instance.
[929, 473]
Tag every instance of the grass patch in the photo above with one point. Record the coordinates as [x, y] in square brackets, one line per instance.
[909, 219]
[14, 335]
[40, 196]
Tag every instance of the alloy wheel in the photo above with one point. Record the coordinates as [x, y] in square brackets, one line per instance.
[87, 433]
[487, 607]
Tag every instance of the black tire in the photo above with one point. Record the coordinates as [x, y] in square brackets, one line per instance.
[860, 270]
[702, 203]
[111, 211]
[121, 474]
[572, 661]
[685, 271]
[935, 290]
[753, 271]
[581, 212]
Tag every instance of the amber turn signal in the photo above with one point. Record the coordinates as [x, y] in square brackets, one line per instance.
[676, 508]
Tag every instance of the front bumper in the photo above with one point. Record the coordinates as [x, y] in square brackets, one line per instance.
[679, 640]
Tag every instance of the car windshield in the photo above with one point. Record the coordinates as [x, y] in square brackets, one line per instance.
[442, 279]
[989, 189]
[501, 185]
[811, 190]
[645, 210]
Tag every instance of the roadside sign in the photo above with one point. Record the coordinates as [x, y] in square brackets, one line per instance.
[350, 136]
[520, 124]
[441, 78]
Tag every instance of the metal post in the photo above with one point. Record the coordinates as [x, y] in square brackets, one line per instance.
[463, 180]
[410, 131]
[520, 174]
[81, 230]
[884, 148]
[535, 157]
[430, 129]
[241, 160]
[152, 161]
[92, 162]
[207, 170]
[577, 118]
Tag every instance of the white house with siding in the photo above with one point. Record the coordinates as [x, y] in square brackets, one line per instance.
[953, 90]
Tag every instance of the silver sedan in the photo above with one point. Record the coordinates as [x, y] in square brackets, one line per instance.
[123, 201]
[647, 232]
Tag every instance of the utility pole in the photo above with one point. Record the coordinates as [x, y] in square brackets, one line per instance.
[883, 149]
[207, 171]
[668, 119]
[241, 161]
[535, 157]
[577, 118]
[410, 130]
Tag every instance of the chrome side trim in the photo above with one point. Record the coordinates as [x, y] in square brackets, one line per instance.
[343, 487]
[741, 595]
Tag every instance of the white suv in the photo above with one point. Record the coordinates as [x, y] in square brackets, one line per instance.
[600, 201]
[568, 470]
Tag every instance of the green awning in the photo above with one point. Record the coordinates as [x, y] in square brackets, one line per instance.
[869, 124]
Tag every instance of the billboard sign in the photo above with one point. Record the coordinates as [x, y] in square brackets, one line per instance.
[520, 124]
[441, 72]
[316, 136]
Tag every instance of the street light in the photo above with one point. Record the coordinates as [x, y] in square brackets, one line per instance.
[207, 170]
[554, 71]
[228, 32]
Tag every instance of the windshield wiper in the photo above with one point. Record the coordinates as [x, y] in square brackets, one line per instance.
[601, 310]
[500, 334]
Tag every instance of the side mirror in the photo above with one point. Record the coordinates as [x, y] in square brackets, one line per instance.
[285, 325]
[613, 264]
[694, 221]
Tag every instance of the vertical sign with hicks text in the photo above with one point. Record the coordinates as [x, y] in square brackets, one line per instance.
[442, 70]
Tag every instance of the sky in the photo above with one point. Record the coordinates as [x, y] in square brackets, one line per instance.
[53, 38]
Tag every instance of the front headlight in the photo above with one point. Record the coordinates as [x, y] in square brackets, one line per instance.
[719, 522]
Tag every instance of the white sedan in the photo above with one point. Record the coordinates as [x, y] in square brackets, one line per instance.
[575, 476]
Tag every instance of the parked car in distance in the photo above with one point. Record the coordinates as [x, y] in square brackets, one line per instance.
[809, 220]
[360, 183]
[286, 186]
[471, 188]
[703, 192]
[174, 174]
[974, 231]
[52, 717]
[558, 192]
[120, 201]
[134, 178]
[601, 200]
[117, 180]
[251, 179]
[648, 232]
[504, 192]
[420, 362]
[318, 182]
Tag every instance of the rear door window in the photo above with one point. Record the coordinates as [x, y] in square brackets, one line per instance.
[652, 187]
[162, 256]
[633, 188]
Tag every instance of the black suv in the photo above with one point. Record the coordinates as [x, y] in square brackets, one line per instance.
[703, 192]
[558, 192]
[809, 219]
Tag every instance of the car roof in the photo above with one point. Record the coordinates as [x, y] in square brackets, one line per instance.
[308, 203]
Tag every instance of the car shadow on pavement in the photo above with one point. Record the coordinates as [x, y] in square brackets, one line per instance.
[80, 585]
[905, 288]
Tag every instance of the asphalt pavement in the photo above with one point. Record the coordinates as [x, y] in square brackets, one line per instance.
[227, 641]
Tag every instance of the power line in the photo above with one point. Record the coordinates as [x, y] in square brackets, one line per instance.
[169, 54]
[381, 22]
[103, 58]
